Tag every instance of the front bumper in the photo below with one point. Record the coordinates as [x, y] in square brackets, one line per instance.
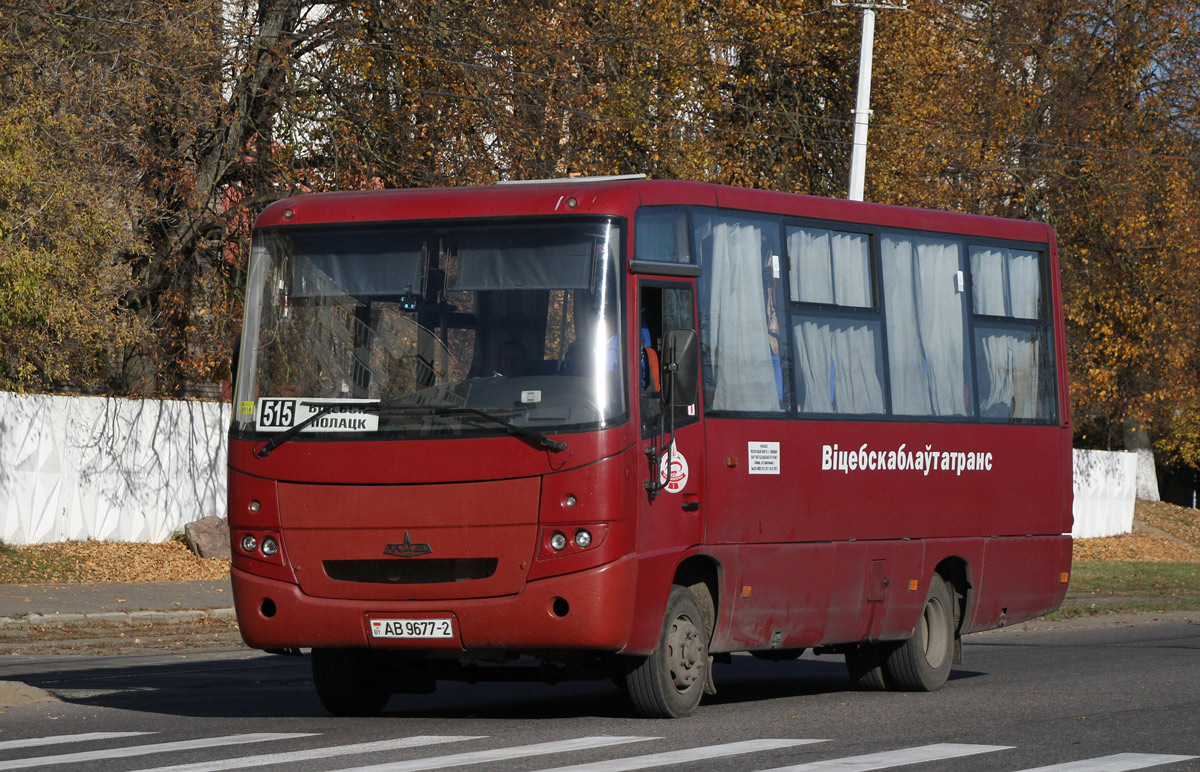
[586, 610]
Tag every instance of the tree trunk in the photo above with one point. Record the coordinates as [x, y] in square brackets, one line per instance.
[1137, 440]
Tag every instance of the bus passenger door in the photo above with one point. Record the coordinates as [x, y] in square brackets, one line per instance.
[673, 476]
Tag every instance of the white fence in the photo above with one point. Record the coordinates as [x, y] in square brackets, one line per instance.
[1105, 486]
[108, 469]
[139, 470]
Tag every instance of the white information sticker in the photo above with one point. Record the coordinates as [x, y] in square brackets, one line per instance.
[277, 414]
[764, 457]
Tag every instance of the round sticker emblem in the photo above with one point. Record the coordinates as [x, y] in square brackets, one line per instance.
[673, 478]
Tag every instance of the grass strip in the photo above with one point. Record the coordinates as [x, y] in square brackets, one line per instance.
[1143, 579]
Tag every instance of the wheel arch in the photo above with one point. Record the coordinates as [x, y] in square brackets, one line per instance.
[701, 574]
[957, 573]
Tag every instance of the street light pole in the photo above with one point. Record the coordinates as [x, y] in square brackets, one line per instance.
[862, 102]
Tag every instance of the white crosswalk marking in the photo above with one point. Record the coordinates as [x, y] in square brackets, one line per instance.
[1120, 762]
[60, 739]
[328, 751]
[681, 756]
[887, 759]
[499, 754]
[146, 750]
[1116, 763]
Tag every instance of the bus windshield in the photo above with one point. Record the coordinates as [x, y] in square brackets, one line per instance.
[403, 331]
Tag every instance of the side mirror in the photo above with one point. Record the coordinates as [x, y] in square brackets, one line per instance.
[680, 367]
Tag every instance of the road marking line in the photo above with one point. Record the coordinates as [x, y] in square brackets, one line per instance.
[681, 756]
[499, 754]
[146, 750]
[1115, 763]
[65, 738]
[328, 751]
[886, 759]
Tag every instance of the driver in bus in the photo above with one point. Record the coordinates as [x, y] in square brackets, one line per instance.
[513, 361]
[579, 358]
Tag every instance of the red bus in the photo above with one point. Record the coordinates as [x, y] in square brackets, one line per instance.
[622, 429]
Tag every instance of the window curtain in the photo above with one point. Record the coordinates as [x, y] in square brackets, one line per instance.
[830, 267]
[838, 367]
[1008, 283]
[1011, 370]
[924, 326]
[837, 361]
[742, 372]
[1025, 283]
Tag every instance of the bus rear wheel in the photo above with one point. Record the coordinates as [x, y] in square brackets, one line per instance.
[922, 663]
[670, 682]
[347, 684]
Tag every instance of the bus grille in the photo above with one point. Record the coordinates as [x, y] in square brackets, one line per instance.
[428, 571]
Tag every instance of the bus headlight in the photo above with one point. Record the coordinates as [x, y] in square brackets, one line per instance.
[269, 546]
[558, 541]
[249, 542]
[583, 538]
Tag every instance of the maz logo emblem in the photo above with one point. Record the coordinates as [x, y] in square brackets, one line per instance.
[407, 549]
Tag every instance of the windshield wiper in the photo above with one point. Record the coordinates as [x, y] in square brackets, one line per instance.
[292, 431]
[535, 438]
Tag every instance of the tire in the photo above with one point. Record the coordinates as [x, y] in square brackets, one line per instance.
[346, 683]
[670, 682]
[864, 663]
[922, 663]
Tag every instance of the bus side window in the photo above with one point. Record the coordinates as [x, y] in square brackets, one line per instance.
[742, 369]
[1013, 363]
[925, 321]
[837, 333]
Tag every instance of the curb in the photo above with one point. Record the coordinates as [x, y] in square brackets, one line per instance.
[119, 618]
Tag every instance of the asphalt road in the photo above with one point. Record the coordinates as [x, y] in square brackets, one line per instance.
[1104, 696]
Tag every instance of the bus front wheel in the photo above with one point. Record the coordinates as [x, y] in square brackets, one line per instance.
[346, 683]
[922, 663]
[670, 682]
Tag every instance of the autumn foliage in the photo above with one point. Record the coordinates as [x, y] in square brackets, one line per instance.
[137, 140]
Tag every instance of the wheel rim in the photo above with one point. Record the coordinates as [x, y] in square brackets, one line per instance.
[685, 653]
[933, 632]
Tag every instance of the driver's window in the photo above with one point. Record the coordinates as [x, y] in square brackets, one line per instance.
[661, 307]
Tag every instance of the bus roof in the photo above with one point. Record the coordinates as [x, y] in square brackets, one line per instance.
[620, 196]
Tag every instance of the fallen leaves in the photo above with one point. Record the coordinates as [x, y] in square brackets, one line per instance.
[95, 561]
[1136, 546]
[1162, 533]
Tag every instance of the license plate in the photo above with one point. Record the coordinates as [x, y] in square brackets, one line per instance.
[412, 628]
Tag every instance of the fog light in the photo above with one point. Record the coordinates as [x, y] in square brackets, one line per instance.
[249, 542]
[583, 539]
[254, 506]
[570, 501]
[270, 546]
[558, 541]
